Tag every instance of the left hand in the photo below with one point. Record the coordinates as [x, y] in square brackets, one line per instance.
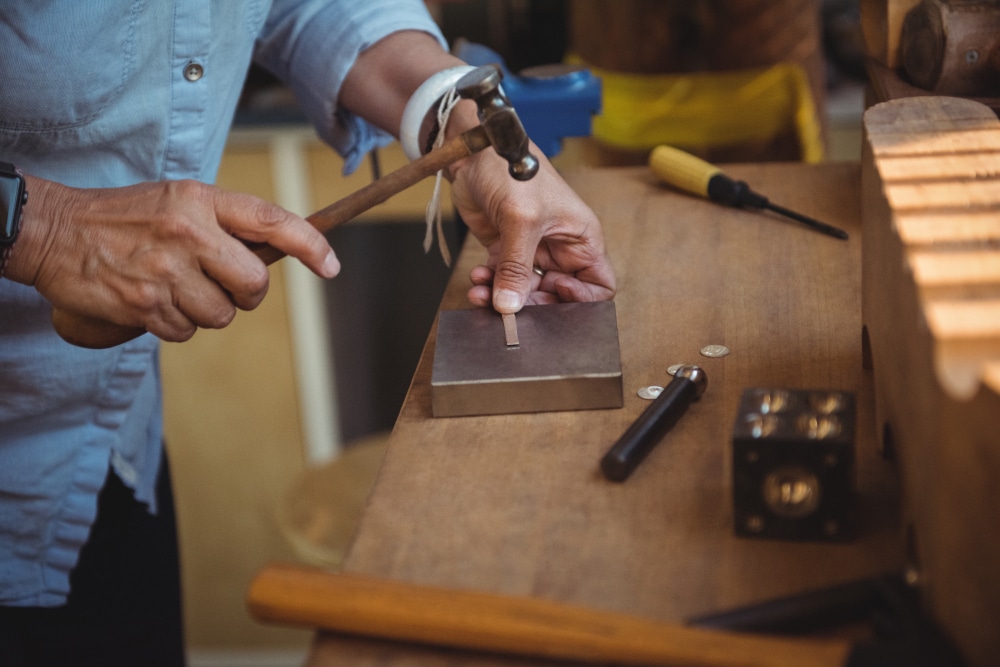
[525, 224]
[540, 222]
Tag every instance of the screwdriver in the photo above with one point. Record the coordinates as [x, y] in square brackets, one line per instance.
[692, 174]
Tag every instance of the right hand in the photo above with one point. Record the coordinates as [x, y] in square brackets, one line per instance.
[168, 257]
[523, 224]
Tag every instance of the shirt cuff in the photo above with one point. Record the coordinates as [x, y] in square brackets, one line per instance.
[314, 51]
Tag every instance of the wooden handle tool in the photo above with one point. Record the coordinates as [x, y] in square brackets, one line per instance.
[94, 333]
[380, 608]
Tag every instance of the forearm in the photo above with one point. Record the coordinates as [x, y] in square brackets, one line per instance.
[386, 75]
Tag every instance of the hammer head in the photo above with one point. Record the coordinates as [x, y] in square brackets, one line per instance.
[499, 120]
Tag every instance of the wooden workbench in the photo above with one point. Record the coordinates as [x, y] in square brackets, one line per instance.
[516, 504]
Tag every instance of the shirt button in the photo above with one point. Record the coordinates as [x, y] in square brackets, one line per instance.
[193, 71]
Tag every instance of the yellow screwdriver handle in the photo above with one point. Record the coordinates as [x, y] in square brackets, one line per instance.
[682, 170]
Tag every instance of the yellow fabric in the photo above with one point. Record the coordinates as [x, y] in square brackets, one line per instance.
[708, 109]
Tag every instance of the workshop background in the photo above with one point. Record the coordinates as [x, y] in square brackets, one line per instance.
[275, 425]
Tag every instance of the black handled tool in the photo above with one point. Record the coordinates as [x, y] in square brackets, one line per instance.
[687, 386]
[694, 175]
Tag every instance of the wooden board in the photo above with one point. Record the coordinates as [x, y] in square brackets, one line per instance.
[932, 315]
[516, 504]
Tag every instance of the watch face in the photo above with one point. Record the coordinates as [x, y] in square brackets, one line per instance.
[10, 194]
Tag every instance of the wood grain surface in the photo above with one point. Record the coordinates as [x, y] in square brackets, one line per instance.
[931, 309]
[516, 504]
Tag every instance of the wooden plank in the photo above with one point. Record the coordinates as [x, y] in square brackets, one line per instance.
[936, 356]
[934, 143]
[516, 504]
[940, 269]
[964, 320]
[979, 165]
[917, 228]
[991, 375]
[936, 195]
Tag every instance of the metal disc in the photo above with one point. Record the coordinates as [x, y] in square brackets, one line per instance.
[714, 351]
[672, 370]
[650, 392]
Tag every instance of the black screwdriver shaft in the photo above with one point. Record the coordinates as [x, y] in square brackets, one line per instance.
[829, 230]
[725, 190]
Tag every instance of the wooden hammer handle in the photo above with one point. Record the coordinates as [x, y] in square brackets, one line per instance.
[380, 608]
[95, 333]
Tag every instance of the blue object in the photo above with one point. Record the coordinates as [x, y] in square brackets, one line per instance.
[552, 101]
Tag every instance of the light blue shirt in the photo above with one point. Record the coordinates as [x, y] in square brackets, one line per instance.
[94, 94]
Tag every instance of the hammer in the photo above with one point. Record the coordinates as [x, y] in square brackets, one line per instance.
[499, 127]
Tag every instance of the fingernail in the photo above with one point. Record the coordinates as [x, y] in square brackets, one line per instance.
[331, 265]
[507, 301]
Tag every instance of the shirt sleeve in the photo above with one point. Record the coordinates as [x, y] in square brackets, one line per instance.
[312, 44]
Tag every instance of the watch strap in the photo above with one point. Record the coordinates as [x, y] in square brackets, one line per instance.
[17, 202]
[4, 256]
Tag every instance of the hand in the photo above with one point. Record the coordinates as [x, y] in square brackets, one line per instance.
[525, 224]
[166, 256]
[540, 222]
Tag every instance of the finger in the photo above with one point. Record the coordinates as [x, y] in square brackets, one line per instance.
[138, 303]
[254, 219]
[541, 298]
[593, 279]
[205, 303]
[170, 324]
[179, 295]
[171, 328]
[513, 273]
[178, 313]
[481, 275]
[480, 296]
[548, 280]
[236, 270]
[481, 293]
[570, 288]
[171, 299]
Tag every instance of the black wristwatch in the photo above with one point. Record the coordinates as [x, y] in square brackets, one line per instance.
[13, 196]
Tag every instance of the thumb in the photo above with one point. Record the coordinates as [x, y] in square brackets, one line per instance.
[511, 284]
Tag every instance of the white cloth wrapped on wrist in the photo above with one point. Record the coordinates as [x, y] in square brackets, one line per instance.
[420, 104]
